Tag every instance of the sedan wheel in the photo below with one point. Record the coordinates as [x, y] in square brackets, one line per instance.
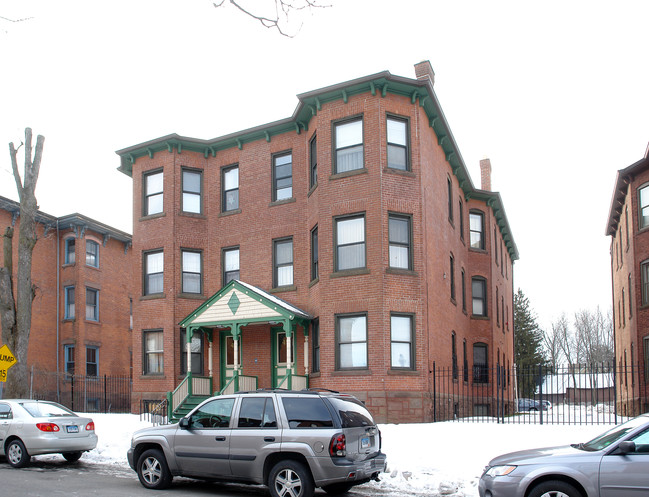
[554, 489]
[16, 454]
[152, 470]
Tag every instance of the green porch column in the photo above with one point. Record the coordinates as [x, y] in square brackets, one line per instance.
[236, 333]
[286, 325]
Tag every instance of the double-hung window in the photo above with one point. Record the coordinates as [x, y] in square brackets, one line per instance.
[283, 262]
[315, 343]
[230, 188]
[644, 280]
[401, 342]
[192, 191]
[230, 265]
[479, 294]
[92, 304]
[348, 139]
[451, 272]
[92, 361]
[153, 272]
[400, 241]
[643, 205]
[153, 193]
[153, 362]
[92, 253]
[398, 143]
[69, 358]
[195, 350]
[69, 250]
[314, 253]
[352, 341]
[476, 228]
[480, 363]
[454, 355]
[350, 242]
[69, 302]
[313, 162]
[192, 280]
[282, 176]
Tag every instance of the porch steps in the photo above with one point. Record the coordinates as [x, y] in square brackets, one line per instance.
[187, 405]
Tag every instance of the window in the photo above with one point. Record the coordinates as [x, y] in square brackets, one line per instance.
[497, 309]
[465, 363]
[92, 304]
[315, 343]
[282, 176]
[68, 351]
[495, 247]
[283, 262]
[69, 302]
[626, 225]
[153, 352]
[214, 414]
[313, 162]
[352, 342]
[644, 275]
[643, 205]
[401, 342]
[645, 345]
[454, 355]
[476, 230]
[452, 276]
[257, 412]
[153, 193]
[69, 250]
[307, 413]
[314, 253]
[196, 347]
[398, 143]
[479, 293]
[192, 189]
[463, 275]
[153, 275]
[230, 188]
[192, 277]
[350, 243]
[92, 362]
[630, 299]
[460, 206]
[449, 187]
[399, 238]
[348, 144]
[480, 364]
[92, 253]
[230, 265]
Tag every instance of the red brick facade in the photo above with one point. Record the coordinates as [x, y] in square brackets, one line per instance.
[106, 273]
[439, 231]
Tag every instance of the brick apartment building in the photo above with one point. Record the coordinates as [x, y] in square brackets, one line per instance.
[628, 227]
[81, 310]
[345, 247]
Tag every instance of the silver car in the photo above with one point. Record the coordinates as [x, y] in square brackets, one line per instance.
[612, 465]
[33, 427]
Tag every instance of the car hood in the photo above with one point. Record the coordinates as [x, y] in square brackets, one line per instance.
[162, 430]
[540, 456]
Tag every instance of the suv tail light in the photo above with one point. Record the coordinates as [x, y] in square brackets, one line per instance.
[338, 445]
[47, 427]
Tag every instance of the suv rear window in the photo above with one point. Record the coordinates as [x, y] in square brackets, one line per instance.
[307, 412]
[353, 414]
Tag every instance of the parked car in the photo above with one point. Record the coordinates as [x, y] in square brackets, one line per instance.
[32, 427]
[547, 405]
[288, 440]
[529, 405]
[613, 464]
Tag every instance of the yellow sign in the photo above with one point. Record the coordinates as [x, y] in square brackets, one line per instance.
[7, 360]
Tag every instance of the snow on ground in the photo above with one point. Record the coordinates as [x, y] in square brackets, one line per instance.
[431, 459]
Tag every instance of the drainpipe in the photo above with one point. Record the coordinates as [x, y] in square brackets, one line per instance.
[58, 302]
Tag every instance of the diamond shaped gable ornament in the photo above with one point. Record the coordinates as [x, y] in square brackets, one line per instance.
[234, 303]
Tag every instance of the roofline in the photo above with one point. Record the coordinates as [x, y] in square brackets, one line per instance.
[309, 104]
[622, 180]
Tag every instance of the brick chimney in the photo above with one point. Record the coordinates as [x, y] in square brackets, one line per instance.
[424, 71]
[485, 174]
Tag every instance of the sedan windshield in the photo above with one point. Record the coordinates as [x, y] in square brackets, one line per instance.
[614, 434]
[46, 409]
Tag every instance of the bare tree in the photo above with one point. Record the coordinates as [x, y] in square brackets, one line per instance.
[552, 343]
[16, 313]
[594, 336]
[278, 13]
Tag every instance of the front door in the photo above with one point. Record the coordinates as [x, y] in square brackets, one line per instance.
[227, 357]
[280, 357]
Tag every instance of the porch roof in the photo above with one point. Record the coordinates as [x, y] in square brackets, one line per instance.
[241, 303]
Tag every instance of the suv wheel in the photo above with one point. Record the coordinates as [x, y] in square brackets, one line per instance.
[290, 479]
[152, 470]
[554, 489]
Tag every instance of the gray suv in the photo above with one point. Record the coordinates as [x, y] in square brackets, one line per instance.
[291, 441]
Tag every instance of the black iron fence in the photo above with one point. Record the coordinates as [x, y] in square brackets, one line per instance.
[102, 394]
[577, 394]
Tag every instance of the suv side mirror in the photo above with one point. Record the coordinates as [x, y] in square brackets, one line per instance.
[626, 447]
[184, 423]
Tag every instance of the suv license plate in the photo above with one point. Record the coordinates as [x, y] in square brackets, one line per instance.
[365, 442]
[72, 429]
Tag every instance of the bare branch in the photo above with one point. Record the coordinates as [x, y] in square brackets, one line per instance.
[15, 20]
[13, 152]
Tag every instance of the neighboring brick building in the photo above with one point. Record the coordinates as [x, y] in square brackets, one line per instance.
[81, 310]
[359, 211]
[628, 227]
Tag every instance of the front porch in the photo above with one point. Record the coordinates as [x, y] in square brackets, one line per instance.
[255, 339]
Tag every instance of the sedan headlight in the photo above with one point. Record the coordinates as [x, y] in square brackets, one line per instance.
[494, 471]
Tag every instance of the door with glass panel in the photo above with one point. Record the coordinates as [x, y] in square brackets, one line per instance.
[280, 357]
[227, 357]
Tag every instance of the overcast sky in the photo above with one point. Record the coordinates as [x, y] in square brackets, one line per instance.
[555, 93]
